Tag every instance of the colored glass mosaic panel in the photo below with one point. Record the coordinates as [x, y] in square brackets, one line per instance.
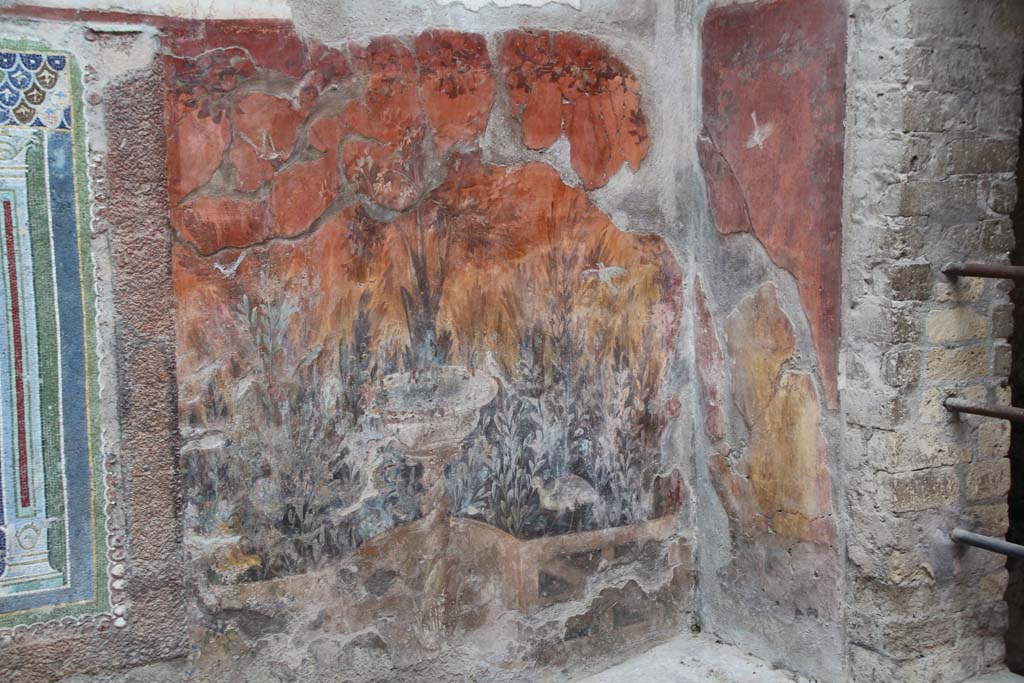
[52, 522]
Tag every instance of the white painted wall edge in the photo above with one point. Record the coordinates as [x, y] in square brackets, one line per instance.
[189, 9]
[246, 9]
[480, 4]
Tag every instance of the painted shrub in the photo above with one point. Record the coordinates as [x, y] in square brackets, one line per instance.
[341, 242]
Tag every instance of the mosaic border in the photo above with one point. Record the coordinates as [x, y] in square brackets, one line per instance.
[107, 551]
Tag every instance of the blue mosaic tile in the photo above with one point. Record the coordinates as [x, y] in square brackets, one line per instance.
[35, 90]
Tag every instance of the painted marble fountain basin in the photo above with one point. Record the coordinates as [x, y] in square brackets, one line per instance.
[431, 411]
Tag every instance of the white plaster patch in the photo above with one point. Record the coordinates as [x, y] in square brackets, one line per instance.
[477, 5]
[189, 9]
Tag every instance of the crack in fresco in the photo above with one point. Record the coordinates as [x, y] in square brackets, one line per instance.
[706, 138]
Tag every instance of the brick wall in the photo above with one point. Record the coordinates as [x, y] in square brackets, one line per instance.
[932, 135]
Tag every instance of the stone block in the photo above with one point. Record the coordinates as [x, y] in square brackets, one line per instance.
[974, 563]
[868, 408]
[997, 235]
[960, 240]
[1002, 321]
[944, 665]
[937, 112]
[1002, 23]
[943, 18]
[901, 367]
[916, 449]
[942, 67]
[877, 320]
[962, 363]
[989, 479]
[993, 439]
[910, 281]
[923, 448]
[955, 324]
[900, 238]
[931, 410]
[882, 110]
[954, 200]
[925, 489]
[910, 568]
[1002, 360]
[982, 155]
[961, 289]
[1002, 196]
[999, 112]
[991, 520]
[903, 636]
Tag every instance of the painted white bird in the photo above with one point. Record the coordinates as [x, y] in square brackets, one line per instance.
[605, 274]
[760, 133]
[265, 151]
[565, 493]
[229, 271]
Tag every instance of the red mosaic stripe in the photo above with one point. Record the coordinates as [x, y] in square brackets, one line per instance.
[19, 372]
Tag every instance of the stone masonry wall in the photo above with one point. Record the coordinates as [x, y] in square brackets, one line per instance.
[934, 110]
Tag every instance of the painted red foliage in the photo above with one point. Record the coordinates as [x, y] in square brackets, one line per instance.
[456, 84]
[254, 119]
[571, 81]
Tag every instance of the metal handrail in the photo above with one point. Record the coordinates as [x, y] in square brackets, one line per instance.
[957, 405]
[992, 270]
[995, 545]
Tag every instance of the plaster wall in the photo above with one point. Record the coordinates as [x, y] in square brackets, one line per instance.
[807, 574]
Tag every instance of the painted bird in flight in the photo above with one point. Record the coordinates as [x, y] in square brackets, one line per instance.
[760, 134]
[228, 271]
[605, 274]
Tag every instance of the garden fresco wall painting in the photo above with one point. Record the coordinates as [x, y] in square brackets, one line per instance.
[391, 350]
[431, 396]
[53, 560]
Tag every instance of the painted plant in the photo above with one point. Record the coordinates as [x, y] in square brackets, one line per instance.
[337, 226]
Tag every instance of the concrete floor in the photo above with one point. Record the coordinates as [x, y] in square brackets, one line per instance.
[693, 659]
[998, 677]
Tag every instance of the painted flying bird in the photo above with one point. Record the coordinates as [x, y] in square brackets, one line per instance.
[228, 271]
[265, 151]
[606, 274]
[760, 134]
